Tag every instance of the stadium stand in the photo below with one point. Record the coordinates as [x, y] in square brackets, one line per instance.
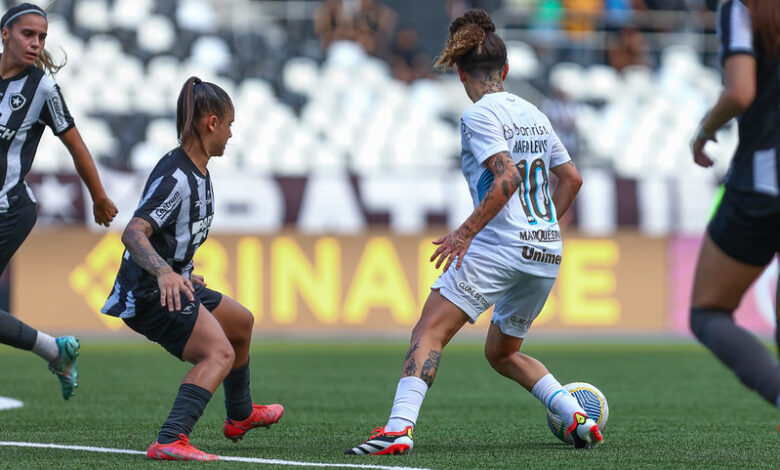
[301, 110]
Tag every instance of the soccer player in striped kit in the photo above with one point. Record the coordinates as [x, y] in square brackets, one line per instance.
[744, 233]
[506, 253]
[30, 101]
[158, 296]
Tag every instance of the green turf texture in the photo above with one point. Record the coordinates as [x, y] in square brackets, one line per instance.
[671, 406]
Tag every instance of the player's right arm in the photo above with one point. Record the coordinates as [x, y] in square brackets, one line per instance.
[136, 240]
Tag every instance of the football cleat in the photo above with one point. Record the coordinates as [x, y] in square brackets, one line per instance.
[64, 367]
[262, 416]
[381, 442]
[180, 449]
[584, 431]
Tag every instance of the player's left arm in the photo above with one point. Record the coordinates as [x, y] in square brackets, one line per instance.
[569, 183]
[506, 180]
[739, 91]
[103, 208]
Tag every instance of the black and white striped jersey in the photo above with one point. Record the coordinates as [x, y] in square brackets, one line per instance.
[755, 166]
[29, 101]
[178, 203]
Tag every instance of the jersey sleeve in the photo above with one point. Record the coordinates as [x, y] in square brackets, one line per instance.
[161, 202]
[558, 153]
[55, 112]
[485, 131]
[735, 30]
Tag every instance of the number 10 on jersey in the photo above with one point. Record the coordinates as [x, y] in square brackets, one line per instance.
[529, 189]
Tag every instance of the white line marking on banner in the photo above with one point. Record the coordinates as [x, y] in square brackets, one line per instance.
[109, 450]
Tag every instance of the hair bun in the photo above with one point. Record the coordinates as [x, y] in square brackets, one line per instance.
[475, 16]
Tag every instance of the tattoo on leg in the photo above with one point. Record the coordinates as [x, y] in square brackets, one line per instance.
[411, 368]
[411, 351]
[430, 366]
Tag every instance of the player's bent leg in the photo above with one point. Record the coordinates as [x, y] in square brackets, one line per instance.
[719, 285]
[438, 323]
[242, 414]
[209, 350]
[237, 323]
[503, 353]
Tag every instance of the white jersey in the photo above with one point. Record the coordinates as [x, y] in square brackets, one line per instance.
[525, 233]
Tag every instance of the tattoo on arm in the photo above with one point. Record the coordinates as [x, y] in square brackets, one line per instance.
[136, 240]
[429, 368]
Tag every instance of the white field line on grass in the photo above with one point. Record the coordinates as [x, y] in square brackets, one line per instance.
[9, 403]
[108, 450]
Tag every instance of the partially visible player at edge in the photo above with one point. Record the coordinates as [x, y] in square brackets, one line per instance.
[30, 101]
[157, 295]
[744, 233]
[506, 253]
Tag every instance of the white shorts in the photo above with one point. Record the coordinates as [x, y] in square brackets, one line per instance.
[482, 281]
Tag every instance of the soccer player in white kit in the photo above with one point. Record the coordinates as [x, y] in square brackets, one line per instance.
[506, 253]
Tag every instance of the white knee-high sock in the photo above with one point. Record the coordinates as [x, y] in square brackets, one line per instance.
[46, 347]
[408, 399]
[552, 395]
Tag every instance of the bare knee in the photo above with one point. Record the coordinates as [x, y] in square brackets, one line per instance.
[497, 356]
[245, 322]
[221, 357]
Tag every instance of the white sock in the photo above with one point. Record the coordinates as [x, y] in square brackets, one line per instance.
[46, 347]
[552, 395]
[408, 399]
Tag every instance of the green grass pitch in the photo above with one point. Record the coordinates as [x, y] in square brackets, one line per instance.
[672, 406]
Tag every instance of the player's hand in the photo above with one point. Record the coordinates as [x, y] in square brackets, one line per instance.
[452, 245]
[171, 284]
[104, 211]
[197, 279]
[697, 147]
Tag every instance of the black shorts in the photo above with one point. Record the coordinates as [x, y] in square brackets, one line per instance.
[171, 330]
[746, 226]
[16, 223]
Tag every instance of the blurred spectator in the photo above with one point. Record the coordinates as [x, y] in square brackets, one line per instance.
[582, 17]
[331, 22]
[626, 48]
[374, 24]
[407, 61]
[561, 109]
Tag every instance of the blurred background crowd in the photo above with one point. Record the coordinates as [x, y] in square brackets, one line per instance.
[347, 88]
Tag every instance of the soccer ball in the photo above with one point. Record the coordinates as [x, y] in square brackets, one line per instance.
[590, 399]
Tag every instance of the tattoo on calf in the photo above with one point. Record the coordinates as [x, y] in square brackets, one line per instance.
[410, 369]
[430, 367]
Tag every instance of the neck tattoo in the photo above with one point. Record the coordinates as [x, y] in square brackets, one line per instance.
[491, 84]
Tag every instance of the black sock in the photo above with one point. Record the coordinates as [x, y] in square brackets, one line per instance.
[739, 350]
[238, 397]
[16, 333]
[187, 409]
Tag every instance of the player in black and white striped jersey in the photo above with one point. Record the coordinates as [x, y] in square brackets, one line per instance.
[744, 234]
[157, 295]
[29, 102]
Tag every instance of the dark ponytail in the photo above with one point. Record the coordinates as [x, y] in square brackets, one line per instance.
[198, 98]
[473, 45]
